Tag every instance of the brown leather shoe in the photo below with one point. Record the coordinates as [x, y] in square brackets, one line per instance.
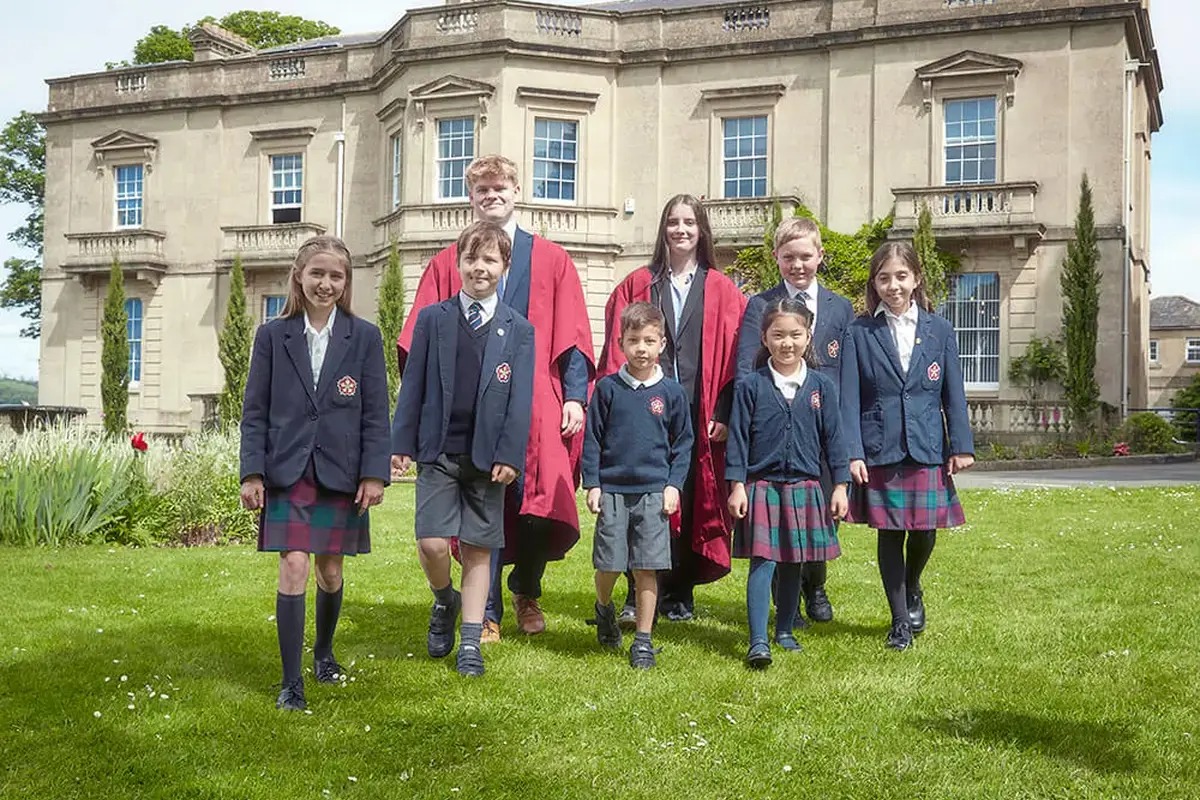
[491, 632]
[529, 615]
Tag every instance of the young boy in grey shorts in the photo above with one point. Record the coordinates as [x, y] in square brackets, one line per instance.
[636, 451]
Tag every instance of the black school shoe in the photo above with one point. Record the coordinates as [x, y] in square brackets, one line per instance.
[642, 655]
[291, 696]
[900, 636]
[442, 622]
[328, 670]
[916, 611]
[759, 656]
[787, 641]
[608, 631]
[628, 617]
[469, 661]
[817, 605]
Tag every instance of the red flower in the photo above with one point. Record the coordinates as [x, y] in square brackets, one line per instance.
[1120, 449]
[138, 442]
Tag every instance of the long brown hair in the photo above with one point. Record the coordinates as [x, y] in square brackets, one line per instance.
[317, 244]
[705, 256]
[906, 254]
[777, 307]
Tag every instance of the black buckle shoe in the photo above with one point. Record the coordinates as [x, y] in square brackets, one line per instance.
[469, 661]
[759, 656]
[291, 696]
[787, 641]
[817, 605]
[916, 611]
[328, 670]
[900, 636]
[642, 655]
[608, 631]
[442, 622]
[628, 617]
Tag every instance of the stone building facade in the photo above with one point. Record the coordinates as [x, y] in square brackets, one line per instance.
[1174, 347]
[990, 111]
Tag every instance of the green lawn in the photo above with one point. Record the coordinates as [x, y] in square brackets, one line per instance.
[1061, 660]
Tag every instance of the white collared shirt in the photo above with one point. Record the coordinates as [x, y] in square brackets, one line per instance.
[634, 383]
[809, 295]
[318, 343]
[904, 330]
[789, 385]
[487, 306]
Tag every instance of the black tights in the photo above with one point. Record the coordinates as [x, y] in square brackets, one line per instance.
[899, 577]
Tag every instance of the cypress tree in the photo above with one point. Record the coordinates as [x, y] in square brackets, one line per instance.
[233, 344]
[114, 355]
[933, 266]
[1080, 281]
[391, 317]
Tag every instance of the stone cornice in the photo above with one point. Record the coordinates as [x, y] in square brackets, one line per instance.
[268, 134]
[559, 96]
[1136, 17]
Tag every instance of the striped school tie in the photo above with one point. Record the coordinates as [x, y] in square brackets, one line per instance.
[475, 315]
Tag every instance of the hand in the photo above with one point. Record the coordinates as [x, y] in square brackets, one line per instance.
[960, 462]
[572, 418]
[717, 432]
[739, 504]
[400, 465]
[670, 500]
[593, 499]
[839, 503]
[370, 493]
[503, 473]
[253, 493]
[858, 471]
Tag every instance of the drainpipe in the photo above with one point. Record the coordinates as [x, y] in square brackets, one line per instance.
[340, 138]
[1131, 68]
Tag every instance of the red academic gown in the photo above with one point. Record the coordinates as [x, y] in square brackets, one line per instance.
[560, 321]
[724, 304]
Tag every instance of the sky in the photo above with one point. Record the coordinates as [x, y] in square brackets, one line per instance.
[54, 38]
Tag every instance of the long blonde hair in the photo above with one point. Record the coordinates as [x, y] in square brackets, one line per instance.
[317, 244]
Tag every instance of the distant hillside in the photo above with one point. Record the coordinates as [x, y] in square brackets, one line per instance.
[14, 391]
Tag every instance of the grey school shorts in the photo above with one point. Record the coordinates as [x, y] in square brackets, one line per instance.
[632, 532]
[455, 499]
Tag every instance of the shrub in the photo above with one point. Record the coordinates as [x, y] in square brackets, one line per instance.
[1188, 397]
[1147, 432]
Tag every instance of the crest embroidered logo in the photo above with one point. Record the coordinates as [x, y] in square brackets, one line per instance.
[934, 372]
[657, 406]
[833, 348]
[347, 386]
[815, 399]
[504, 372]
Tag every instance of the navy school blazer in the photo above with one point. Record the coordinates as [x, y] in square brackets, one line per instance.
[503, 404]
[888, 415]
[342, 425]
[834, 315]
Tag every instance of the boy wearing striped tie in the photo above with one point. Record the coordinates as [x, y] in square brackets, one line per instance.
[463, 415]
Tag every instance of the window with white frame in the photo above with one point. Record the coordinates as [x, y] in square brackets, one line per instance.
[129, 184]
[1154, 351]
[455, 151]
[970, 141]
[287, 188]
[133, 337]
[1193, 351]
[973, 309]
[745, 156]
[396, 171]
[273, 306]
[555, 159]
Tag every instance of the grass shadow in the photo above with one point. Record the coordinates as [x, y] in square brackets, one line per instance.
[1098, 747]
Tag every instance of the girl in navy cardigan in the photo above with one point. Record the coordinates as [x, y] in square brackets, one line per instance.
[315, 451]
[907, 430]
[783, 425]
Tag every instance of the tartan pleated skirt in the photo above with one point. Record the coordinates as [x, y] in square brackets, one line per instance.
[308, 517]
[787, 523]
[906, 496]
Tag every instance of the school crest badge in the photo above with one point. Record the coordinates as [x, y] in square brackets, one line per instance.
[657, 406]
[833, 348]
[934, 372]
[504, 373]
[815, 399]
[347, 386]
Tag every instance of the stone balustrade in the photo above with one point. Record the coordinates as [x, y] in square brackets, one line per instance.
[266, 245]
[999, 206]
[140, 251]
[741, 221]
[438, 224]
[992, 416]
